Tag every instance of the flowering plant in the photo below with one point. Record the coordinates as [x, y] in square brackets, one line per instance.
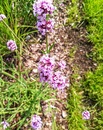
[5, 124]
[86, 115]
[42, 9]
[11, 45]
[36, 122]
[45, 26]
[2, 16]
[45, 67]
[57, 80]
[47, 72]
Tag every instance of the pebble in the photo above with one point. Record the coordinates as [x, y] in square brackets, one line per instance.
[64, 114]
[28, 37]
[35, 71]
[49, 124]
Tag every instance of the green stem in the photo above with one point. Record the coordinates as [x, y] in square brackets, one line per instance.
[11, 31]
[13, 77]
[20, 61]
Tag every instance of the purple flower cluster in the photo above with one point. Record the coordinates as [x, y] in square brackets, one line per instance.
[86, 115]
[11, 45]
[57, 80]
[46, 65]
[45, 26]
[62, 64]
[2, 16]
[5, 124]
[42, 9]
[36, 122]
[47, 74]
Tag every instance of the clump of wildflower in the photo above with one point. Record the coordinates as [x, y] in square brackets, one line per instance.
[36, 122]
[42, 8]
[45, 26]
[2, 16]
[58, 81]
[62, 64]
[86, 115]
[11, 45]
[46, 62]
[45, 67]
[5, 124]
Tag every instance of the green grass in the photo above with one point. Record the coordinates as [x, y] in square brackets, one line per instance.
[19, 95]
[91, 86]
[93, 82]
[18, 24]
[74, 17]
[75, 104]
[94, 16]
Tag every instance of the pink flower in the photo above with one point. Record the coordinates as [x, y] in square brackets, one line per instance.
[86, 115]
[58, 81]
[46, 62]
[45, 67]
[36, 122]
[2, 16]
[5, 124]
[43, 7]
[46, 70]
[45, 76]
[45, 26]
[62, 64]
[11, 45]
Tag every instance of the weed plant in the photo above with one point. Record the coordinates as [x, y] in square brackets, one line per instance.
[93, 88]
[21, 97]
[19, 17]
[73, 12]
[94, 17]
[75, 104]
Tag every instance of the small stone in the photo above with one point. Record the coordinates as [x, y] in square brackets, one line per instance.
[35, 71]
[28, 37]
[79, 77]
[63, 127]
[49, 124]
[95, 64]
[52, 106]
[64, 114]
